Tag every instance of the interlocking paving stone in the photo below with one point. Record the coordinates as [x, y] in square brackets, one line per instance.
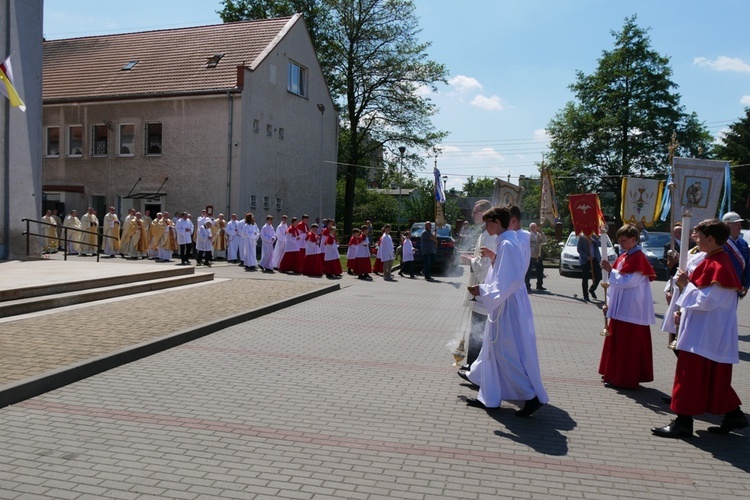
[351, 395]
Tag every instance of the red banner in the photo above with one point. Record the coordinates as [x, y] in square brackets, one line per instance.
[586, 212]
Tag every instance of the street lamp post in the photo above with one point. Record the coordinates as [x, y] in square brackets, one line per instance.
[401, 150]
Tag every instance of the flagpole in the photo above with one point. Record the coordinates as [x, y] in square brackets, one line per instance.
[672, 338]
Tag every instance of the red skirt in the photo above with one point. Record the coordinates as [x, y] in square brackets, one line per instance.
[300, 260]
[289, 262]
[313, 265]
[362, 265]
[702, 386]
[332, 267]
[627, 357]
[378, 267]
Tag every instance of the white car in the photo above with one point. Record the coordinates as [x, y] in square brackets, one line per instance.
[569, 256]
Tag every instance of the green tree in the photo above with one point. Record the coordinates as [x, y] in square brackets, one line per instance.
[622, 120]
[374, 65]
[735, 147]
[481, 187]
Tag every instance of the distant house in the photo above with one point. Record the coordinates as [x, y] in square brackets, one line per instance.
[233, 116]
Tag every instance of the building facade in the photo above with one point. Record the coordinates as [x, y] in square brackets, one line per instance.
[234, 118]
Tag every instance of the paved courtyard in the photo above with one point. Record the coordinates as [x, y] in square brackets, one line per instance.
[352, 395]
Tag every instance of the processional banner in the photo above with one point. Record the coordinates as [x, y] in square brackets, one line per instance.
[506, 194]
[586, 212]
[698, 186]
[641, 200]
[548, 203]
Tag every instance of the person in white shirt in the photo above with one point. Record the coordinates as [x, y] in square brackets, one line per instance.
[387, 253]
[204, 244]
[250, 235]
[278, 249]
[234, 239]
[407, 255]
[184, 229]
[267, 237]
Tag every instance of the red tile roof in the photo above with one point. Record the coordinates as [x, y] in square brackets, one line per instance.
[170, 62]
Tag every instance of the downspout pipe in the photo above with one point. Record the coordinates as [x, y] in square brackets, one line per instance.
[230, 101]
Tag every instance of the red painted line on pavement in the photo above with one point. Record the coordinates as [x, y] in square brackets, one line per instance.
[452, 453]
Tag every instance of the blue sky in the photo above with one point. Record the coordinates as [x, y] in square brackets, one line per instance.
[510, 62]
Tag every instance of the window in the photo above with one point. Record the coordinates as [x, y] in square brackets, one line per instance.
[126, 143]
[296, 79]
[256, 125]
[281, 133]
[253, 201]
[153, 138]
[266, 202]
[129, 65]
[75, 140]
[269, 130]
[53, 141]
[278, 204]
[99, 136]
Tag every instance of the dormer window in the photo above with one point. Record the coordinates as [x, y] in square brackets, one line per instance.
[129, 65]
[213, 61]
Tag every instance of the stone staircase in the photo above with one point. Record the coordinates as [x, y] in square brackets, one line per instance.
[28, 298]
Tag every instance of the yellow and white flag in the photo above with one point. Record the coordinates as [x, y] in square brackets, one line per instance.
[7, 89]
[641, 200]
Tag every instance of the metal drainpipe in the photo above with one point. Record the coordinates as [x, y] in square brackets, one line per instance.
[230, 100]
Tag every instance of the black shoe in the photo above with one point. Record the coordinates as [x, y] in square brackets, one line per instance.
[732, 421]
[593, 293]
[529, 408]
[675, 429]
[586, 299]
[464, 375]
[540, 287]
[475, 403]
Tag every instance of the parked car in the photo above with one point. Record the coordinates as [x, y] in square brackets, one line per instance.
[569, 256]
[447, 253]
[654, 250]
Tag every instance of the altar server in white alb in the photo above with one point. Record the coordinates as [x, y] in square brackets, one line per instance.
[267, 236]
[234, 238]
[249, 242]
[280, 246]
[508, 365]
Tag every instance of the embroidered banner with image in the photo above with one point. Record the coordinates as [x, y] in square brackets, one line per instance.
[586, 212]
[698, 185]
[506, 194]
[641, 200]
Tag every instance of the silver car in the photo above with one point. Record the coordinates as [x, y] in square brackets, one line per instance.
[569, 256]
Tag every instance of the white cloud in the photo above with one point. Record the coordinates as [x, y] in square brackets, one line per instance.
[745, 100]
[449, 149]
[489, 103]
[423, 91]
[465, 84]
[541, 134]
[723, 63]
[488, 153]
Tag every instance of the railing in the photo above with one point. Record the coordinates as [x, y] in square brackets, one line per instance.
[64, 237]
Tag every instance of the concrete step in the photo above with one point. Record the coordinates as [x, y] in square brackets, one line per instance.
[43, 303]
[108, 280]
